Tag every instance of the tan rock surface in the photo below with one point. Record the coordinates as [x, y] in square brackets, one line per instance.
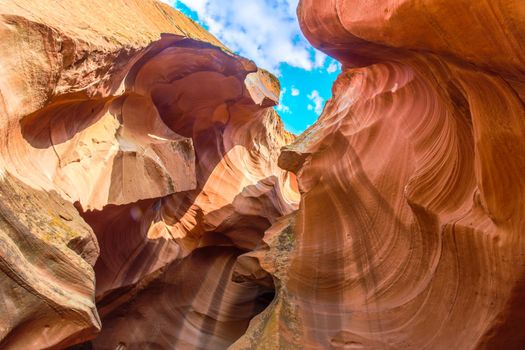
[166, 144]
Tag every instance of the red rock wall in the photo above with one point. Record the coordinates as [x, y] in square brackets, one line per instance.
[409, 232]
[142, 204]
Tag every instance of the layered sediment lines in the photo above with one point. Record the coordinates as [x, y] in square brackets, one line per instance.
[136, 167]
[410, 228]
[150, 197]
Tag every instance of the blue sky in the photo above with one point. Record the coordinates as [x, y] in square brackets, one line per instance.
[267, 32]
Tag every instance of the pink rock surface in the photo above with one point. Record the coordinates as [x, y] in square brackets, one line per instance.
[409, 232]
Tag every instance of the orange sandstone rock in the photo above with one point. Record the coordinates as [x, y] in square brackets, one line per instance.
[409, 232]
[166, 144]
[142, 206]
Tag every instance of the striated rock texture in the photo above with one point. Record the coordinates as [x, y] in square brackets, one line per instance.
[142, 205]
[136, 167]
[410, 228]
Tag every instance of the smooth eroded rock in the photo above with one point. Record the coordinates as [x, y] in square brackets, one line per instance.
[409, 229]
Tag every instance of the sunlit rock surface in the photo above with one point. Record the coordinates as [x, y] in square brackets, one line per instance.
[151, 199]
[136, 167]
[410, 228]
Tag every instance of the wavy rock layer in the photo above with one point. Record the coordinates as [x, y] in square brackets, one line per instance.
[167, 146]
[409, 232]
[141, 205]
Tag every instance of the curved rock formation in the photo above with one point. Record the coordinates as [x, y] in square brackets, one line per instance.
[167, 146]
[409, 232]
[142, 205]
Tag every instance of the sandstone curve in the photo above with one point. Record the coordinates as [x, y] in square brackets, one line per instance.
[408, 234]
[151, 198]
[131, 158]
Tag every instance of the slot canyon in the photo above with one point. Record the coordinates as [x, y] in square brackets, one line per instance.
[151, 198]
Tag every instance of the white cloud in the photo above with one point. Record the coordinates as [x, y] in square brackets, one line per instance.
[169, 2]
[295, 92]
[265, 31]
[281, 107]
[320, 59]
[333, 67]
[317, 101]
